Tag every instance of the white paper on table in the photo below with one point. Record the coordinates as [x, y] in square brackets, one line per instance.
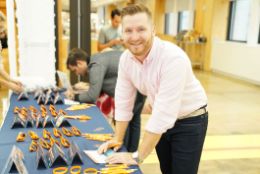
[70, 102]
[95, 156]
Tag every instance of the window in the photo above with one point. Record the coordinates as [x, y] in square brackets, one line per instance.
[238, 20]
[184, 20]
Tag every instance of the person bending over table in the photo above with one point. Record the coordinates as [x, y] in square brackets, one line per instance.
[102, 70]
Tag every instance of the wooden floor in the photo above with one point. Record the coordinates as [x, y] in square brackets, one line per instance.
[232, 144]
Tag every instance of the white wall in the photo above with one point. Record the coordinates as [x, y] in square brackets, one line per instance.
[254, 22]
[239, 60]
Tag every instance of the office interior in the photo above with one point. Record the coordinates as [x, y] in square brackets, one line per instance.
[221, 38]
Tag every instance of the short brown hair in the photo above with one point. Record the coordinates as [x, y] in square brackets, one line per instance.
[114, 13]
[75, 55]
[134, 9]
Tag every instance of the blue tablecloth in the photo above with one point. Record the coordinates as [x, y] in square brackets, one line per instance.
[97, 124]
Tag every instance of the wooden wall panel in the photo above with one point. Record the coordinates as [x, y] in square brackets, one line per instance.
[157, 8]
[211, 21]
[3, 6]
[159, 15]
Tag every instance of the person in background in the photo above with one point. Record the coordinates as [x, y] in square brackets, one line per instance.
[3, 31]
[102, 70]
[162, 71]
[109, 36]
[5, 79]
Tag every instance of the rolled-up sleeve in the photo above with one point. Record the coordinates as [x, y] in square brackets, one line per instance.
[168, 99]
[125, 94]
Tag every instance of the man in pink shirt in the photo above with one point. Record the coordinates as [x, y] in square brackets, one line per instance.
[161, 71]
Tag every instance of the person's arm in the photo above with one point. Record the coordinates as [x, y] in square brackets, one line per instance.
[69, 94]
[148, 144]
[125, 95]
[166, 105]
[7, 77]
[101, 46]
[162, 118]
[103, 43]
[109, 44]
[97, 74]
[120, 130]
[16, 88]
[118, 139]
[8, 82]
[4, 74]
[81, 86]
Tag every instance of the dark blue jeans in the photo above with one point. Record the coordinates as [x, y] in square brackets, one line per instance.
[179, 149]
[132, 135]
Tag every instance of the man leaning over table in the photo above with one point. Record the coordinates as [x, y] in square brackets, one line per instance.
[162, 71]
[102, 70]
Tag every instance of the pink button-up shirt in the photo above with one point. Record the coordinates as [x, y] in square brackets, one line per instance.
[166, 78]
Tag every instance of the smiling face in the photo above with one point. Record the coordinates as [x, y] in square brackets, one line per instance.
[138, 34]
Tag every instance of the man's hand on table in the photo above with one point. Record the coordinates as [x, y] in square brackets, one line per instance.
[111, 144]
[81, 86]
[69, 94]
[118, 157]
[121, 157]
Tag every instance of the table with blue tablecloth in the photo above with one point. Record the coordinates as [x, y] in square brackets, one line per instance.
[97, 124]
